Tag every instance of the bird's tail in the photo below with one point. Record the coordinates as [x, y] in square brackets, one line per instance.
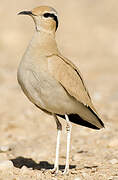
[92, 121]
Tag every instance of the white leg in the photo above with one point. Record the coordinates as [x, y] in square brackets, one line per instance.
[59, 129]
[68, 128]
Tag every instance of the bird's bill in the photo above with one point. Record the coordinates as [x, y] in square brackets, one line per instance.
[25, 13]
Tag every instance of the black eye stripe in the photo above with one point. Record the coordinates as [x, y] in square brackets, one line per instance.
[46, 15]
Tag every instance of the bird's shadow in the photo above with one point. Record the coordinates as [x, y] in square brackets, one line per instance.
[19, 162]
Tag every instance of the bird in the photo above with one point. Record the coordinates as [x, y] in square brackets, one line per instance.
[52, 82]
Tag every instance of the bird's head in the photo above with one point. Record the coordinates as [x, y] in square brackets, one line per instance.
[45, 18]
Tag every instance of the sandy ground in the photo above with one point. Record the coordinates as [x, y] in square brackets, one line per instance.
[87, 35]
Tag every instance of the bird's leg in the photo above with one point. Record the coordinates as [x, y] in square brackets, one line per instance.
[68, 129]
[59, 129]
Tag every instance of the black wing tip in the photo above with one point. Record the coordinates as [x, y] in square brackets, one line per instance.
[103, 126]
[75, 118]
[100, 121]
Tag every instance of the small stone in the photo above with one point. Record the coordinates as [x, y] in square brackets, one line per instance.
[43, 170]
[82, 151]
[25, 170]
[93, 170]
[54, 178]
[4, 148]
[77, 178]
[74, 172]
[85, 175]
[113, 161]
[6, 164]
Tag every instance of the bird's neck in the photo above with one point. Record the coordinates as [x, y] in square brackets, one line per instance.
[44, 43]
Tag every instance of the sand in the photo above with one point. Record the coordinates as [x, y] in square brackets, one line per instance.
[88, 36]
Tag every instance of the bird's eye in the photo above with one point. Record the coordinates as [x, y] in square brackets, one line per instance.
[46, 15]
[53, 16]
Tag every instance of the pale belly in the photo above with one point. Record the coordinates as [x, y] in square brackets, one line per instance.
[46, 92]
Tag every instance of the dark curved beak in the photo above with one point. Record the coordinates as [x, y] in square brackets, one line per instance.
[25, 13]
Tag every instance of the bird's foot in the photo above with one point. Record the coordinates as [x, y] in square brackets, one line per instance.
[66, 171]
[55, 170]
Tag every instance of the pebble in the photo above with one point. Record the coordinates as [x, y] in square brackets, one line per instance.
[113, 161]
[74, 172]
[24, 169]
[93, 170]
[6, 164]
[4, 148]
[86, 176]
[82, 151]
[77, 178]
[54, 178]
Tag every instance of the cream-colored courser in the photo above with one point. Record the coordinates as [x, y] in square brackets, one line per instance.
[52, 82]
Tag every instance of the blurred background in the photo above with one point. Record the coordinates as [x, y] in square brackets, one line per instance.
[88, 36]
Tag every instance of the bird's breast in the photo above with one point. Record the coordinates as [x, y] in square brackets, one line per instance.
[43, 90]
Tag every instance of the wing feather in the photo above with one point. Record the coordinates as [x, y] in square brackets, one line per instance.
[70, 78]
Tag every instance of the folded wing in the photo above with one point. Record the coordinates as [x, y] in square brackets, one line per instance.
[70, 78]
